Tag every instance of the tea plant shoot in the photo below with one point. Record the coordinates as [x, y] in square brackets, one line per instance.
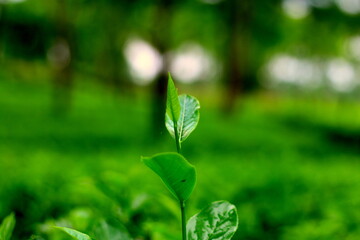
[217, 221]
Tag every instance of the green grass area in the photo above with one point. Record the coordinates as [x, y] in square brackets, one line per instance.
[288, 179]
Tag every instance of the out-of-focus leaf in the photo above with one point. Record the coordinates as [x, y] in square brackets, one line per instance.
[172, 102]
[189, 117]
[175, 171]
[75, 234]
[35, 237]
[104, 231]
[218, 221]
[7, 227]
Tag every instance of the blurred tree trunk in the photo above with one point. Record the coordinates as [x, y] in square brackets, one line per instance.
[115, 60]
[60, 57]
[161, 38]
[238, 19]
[2, 32]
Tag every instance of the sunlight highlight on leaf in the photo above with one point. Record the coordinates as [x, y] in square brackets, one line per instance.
[189, 117]
[218, 221]
[75, 234]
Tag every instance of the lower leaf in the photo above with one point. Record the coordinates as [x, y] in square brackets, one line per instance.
[218, 221]
[7, 227]
[75, 234]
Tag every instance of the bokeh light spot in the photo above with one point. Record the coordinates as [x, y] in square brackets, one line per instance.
[144, 60]
[191, 63]
[296, 9]
[341, 75]
[292, 70]
[354, 47]
[349, 6]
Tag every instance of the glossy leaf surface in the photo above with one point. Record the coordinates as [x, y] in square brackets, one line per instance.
[189, 117]
[172, 101]
[7, 227]
[216, 222]
[175, 171]
[75, 234]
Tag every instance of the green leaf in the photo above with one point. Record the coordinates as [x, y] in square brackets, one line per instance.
[218, 221]
[105, 231]
[35, 237]
[175, 171]
[7, 227]
[75, 234]
[189, 117]
[172, 102]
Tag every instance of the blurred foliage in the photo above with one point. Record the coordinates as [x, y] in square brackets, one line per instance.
[287, 157]
[260, 29]
[287, 177]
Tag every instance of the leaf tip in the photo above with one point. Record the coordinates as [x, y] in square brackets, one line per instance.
[171, 83]
[143, 159]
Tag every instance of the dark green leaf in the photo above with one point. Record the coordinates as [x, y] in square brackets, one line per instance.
[75, 234]
[216, 222]
[7, 227]
[189, 117]
[172, 102]
[175, 171]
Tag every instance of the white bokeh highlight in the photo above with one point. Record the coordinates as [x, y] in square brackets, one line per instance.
[350, 7]
[191, 63]
[341, 75]
[296, 9]
[291, 70]
[144, 61]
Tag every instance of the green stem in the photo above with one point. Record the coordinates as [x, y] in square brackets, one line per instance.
[177, 140]
[182, 203]
[183, 220]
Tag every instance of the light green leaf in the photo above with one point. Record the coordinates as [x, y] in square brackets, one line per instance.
[7, 227]
[104, 231]
[189, 117]
[218, 221]
[172, 102]
[75, 234]
[175, 171]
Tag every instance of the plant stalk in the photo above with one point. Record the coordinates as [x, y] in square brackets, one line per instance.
[182, 203]
[183, 220]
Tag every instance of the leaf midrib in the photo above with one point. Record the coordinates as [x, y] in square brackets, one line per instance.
[182, 119]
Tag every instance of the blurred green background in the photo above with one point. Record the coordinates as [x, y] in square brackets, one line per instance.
[82, 90]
